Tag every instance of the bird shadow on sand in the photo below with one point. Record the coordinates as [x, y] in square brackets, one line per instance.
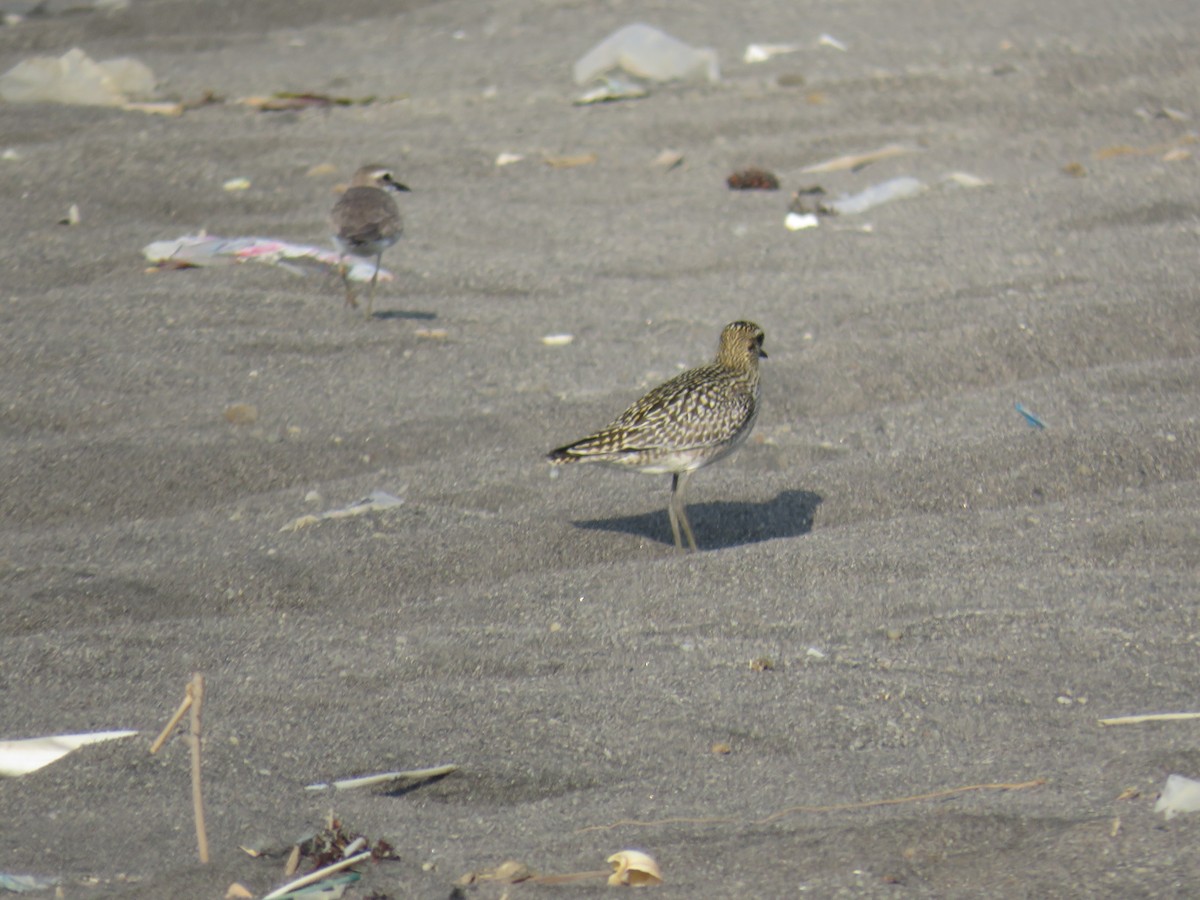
[721, 523]
[403, 314]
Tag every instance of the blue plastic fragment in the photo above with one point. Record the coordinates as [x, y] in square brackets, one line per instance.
[1033, 420]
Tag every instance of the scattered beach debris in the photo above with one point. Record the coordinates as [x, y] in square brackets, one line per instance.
[21, 884]
[569, 162]
[856, 161]
[756, 53]
[646, 52]
[633, 867]
[795, 221]
[76, 79]
[510, 871]
[193, 700]
[236, 184]
[964, 179]
[668, 159]
[507, 159]
[1075, 169]
[1033, 420]
[1163, 112]
[828, 40]
[201, 250]
[557, 340]
[72, 217]
[238, 891]
[286, 101]
[802, 211]
[613, 88]
[1174, 149]
[377, 500]
[753, 179]
[1179, 795]
[876, 195]
[291, 890]
[24, 756]
[241, 414]
[1151, 717]
[331, 850]
[629, 867]
[809, 810]
[389, 778]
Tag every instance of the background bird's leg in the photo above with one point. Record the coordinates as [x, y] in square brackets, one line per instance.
[678, 486]
[344, 271]
[671, 512]
[371, 296]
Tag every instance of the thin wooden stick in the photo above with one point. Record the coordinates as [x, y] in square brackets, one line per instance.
[195, 692]
[318, 875]
[166, 732]
[1151, 717]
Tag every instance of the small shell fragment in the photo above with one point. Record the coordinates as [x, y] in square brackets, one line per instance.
[669, 159]
[799, 221]
[557, 340]
[236, 184]
[635, 868]
[507, 159]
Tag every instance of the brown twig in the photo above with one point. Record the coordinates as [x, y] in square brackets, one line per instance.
[195, 692]
[837, 807]
[166, 732]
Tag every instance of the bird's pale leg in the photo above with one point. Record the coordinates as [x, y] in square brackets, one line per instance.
[671, 512]
[344, 271]
[677, 511]
[371, 296]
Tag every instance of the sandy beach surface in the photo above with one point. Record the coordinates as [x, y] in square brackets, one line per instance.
[903, 587]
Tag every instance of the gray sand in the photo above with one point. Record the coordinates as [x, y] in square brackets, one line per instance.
[949, 597]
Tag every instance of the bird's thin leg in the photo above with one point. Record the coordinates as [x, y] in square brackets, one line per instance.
[678, 511]
[671, 512]
[344, 271]
[371, 296]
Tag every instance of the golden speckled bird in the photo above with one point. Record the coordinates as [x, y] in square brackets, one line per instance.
[698, 417]
[366, 221]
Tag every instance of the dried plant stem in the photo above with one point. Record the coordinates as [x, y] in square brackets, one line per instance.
[195, 692]
[1151, 717]
[170, 726]
[837, 807]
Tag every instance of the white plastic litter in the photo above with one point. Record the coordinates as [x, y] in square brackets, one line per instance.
[878, 194]
[299, 259]
[74, 78]
[799, 221]
[25, 756]
[756, 53]
[646, 52]
[1179, 795]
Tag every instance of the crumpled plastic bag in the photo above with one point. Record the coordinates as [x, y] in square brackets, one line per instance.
[75, 78]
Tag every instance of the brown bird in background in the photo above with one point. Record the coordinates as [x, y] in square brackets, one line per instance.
[366, 221]
[689, 422]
